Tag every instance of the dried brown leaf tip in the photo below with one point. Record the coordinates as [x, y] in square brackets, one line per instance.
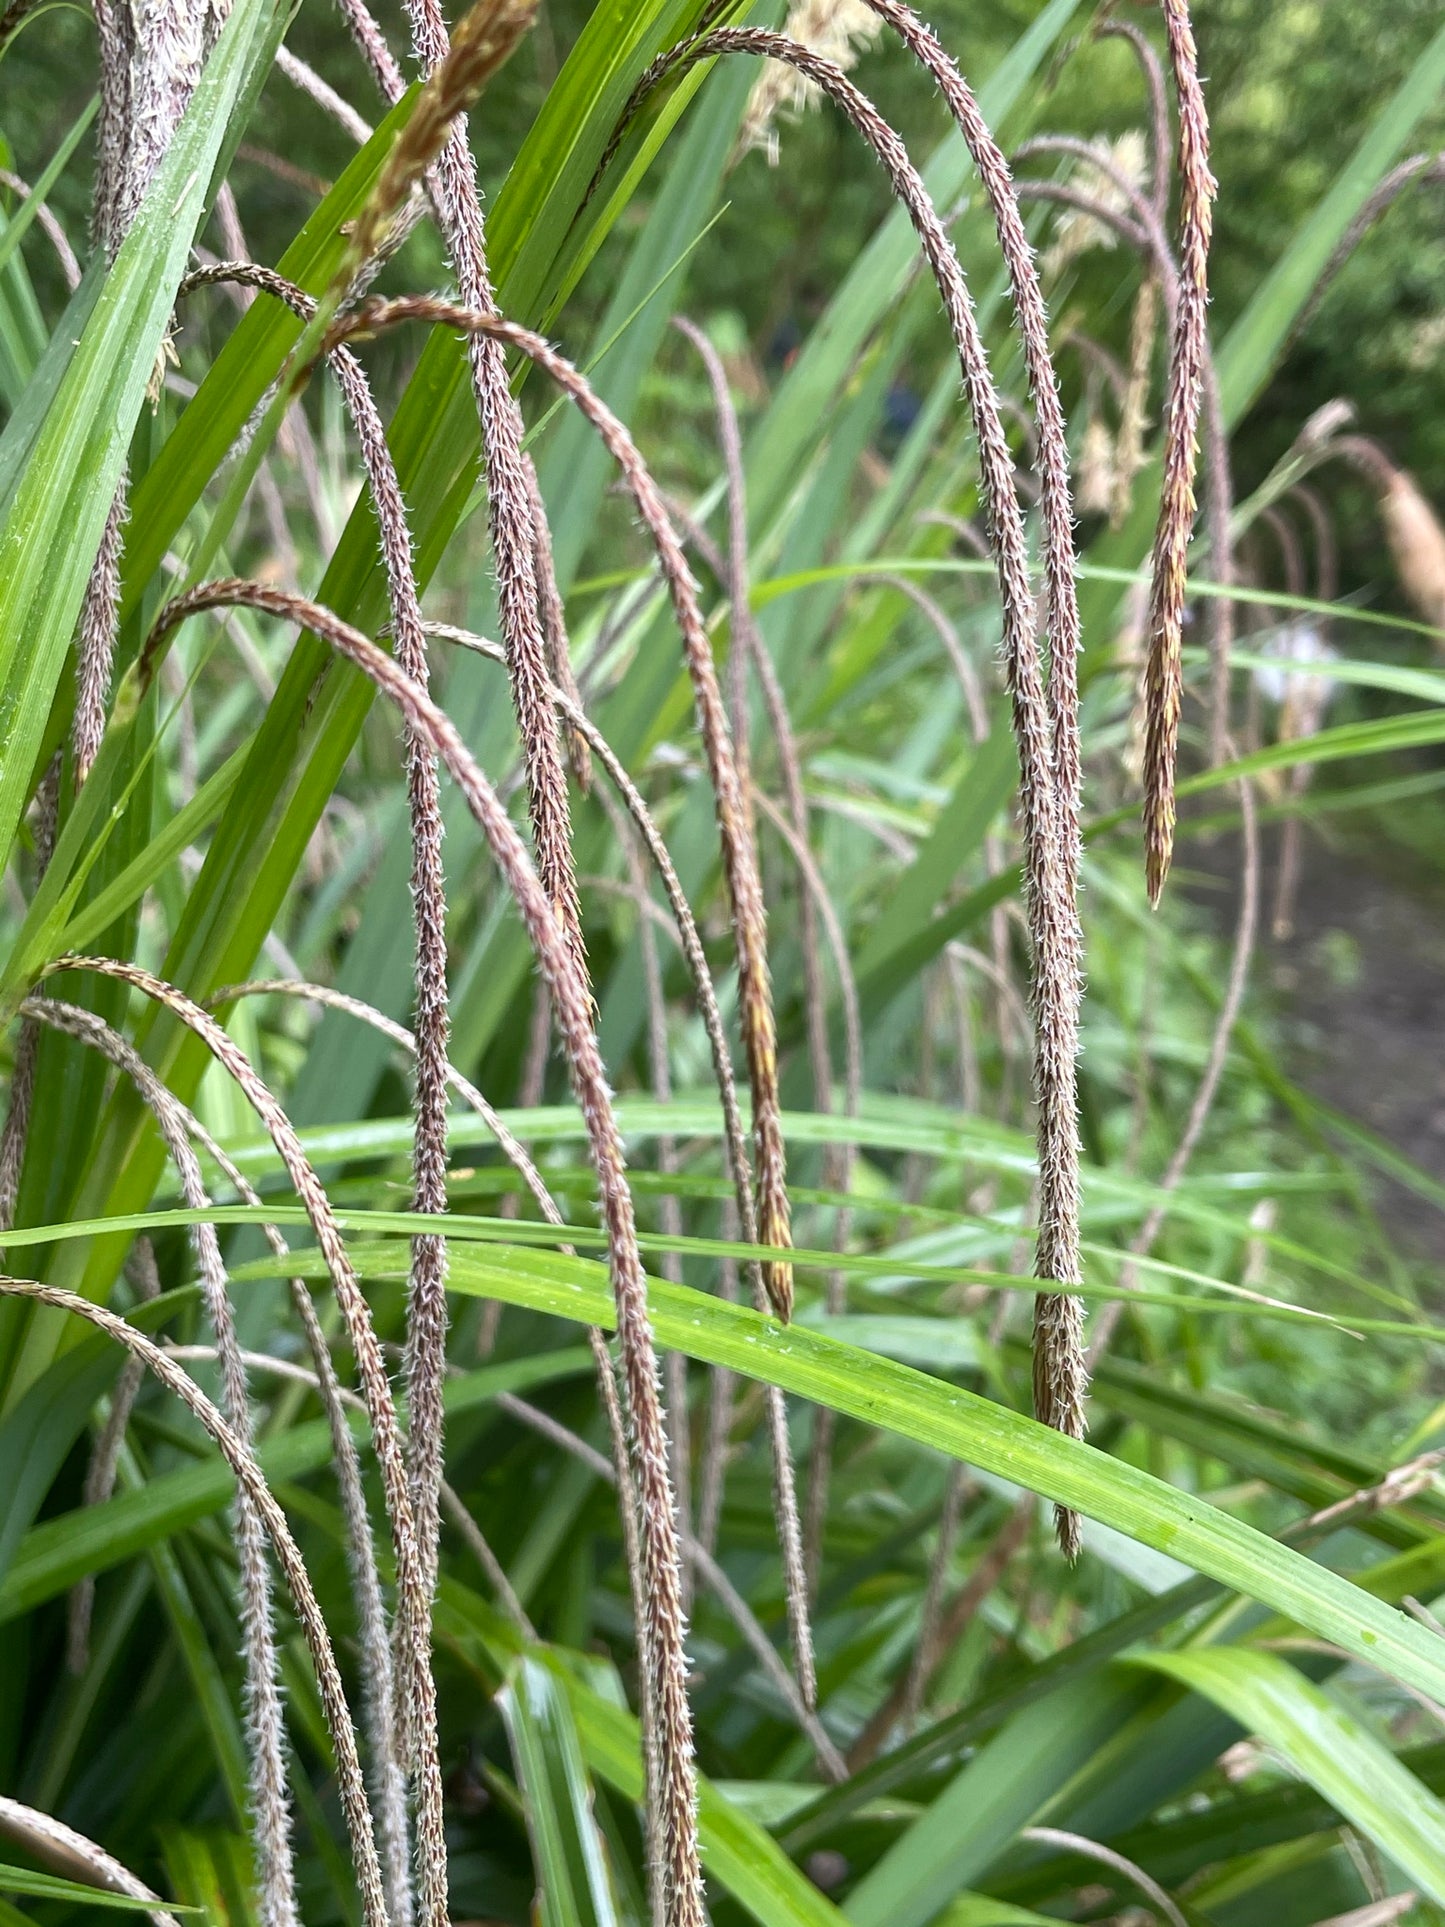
[482, 41]
[1163, 683]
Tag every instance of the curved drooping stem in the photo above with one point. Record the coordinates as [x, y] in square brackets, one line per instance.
[571, 1000]
[1208, 1086]
[689, 936]
[1060, 559]
[427, 1305]
[1059, 1384]
[738, 852]
[371, 1364]
[270, 1815]
[514, 506]
[249, 1476]
[1143, 231]
[71, 1854]
[790, 1533]
[388, 1779]
[1419, 167]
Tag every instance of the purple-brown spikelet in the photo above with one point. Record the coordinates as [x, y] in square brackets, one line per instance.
[1044, 718]
[371, 1362]
[663, 1629]
[1163, 684]
[239, 1456]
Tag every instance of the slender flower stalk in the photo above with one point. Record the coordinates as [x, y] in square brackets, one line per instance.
[270, 1814]
[1060, 1379]
[239, 1456]
[663, 1627]
[427, 1305]
[738, 851]
[371, 1363]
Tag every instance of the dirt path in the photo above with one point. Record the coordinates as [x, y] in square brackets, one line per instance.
[1361, 985]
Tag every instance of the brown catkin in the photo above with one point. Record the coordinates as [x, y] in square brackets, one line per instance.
[238, 1455]
[1051, 909]
[738, 849]
[664, 1627]
[371, 1362]
[1164, 679]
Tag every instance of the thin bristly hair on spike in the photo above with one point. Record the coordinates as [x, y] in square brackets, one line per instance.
[738, 850]
[427, 1305]
[663, 1634]
[784, 1480]
[242, 1461]
[371, 1363]
[1060, 1379]
[1164, 674]
[71, 1854]
[270, 1808]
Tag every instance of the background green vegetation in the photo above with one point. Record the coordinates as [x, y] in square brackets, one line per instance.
[1262, 1740]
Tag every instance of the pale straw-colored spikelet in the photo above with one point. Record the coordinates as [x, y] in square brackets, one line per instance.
[1417, 543]
[1077, 232]
[835, 29]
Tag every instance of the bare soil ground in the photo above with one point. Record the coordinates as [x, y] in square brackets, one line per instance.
[1361, 987]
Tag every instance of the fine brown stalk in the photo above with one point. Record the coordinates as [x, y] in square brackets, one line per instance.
[744, 642]
[1052, 911]
[326, 97]
[1244, 938]
[74, 1857]
[371, 1364]
[747, 646]
[47, 222]
[1060, 559]
[100, 1473]
[739, 854]
[1419, 167]
[785, 1500]
[993, 1562]
[718, 1436]
[1132, 415]
[1164, 671]
[1108, 1857]
[16, 1130]
[249, 1477]
[270, 1813]
[925, 1652]
[427, 1305]
[713, 1576]
[662, 1620]
[1157, 88]
[838, 1171]
[689, 936]
[669, 1210]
